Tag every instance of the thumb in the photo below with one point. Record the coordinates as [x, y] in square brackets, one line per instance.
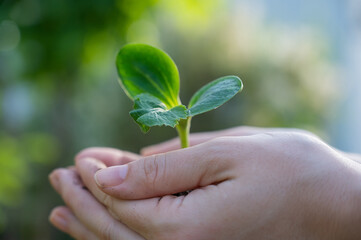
[169, 173]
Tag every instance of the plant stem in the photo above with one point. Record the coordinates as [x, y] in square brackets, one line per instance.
[183, 131]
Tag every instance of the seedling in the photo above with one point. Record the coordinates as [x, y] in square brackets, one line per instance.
[150, 78]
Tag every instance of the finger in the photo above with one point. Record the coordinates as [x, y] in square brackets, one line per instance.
[87, 209]
[135, 214]
[174, 144]
[63, 219]
[198, 138]
[109, 156]
[172, 172]
[86, 168]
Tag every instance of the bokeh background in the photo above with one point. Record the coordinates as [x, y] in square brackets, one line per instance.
[299, 60]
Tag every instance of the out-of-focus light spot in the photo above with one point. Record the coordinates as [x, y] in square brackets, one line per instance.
[143, 31]
[17, 106]
[26, 12]
[9, 35]
[13, 171]
[98, 56]
[41, 148]
[190, 15]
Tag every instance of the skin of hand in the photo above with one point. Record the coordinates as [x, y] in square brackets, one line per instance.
[273, 185]
[197, 138]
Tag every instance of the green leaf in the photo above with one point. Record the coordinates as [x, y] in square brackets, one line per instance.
[149, 111]
[146, 69]
[214, 94]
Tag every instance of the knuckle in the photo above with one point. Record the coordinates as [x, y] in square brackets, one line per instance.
[154, 168]
[293, 140]
[106, 230]
[297, 147]
[304, 141]
[107, 200]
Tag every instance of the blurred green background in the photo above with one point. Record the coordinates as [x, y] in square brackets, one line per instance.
[59, 91]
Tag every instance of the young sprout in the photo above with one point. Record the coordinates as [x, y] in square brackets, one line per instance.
[150, 78]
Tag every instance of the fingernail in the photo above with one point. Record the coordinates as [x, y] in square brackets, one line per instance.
[54, 179]
[111, 176]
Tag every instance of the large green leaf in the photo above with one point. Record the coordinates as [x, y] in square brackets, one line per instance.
[214, 94]
[146, 69]
[149, 111]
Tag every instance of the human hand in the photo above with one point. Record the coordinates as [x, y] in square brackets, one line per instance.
[274, 185]
[84, 217]
[197, 138]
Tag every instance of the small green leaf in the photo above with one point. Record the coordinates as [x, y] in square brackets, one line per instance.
[146, 69]
[214, 94]
[149, 111]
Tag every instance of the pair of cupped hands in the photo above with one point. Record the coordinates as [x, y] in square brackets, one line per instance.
[246, 182]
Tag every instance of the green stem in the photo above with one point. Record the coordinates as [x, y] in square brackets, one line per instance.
[183, 131]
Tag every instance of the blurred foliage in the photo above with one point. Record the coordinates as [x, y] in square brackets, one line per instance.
[59, 92]
[289, 79]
